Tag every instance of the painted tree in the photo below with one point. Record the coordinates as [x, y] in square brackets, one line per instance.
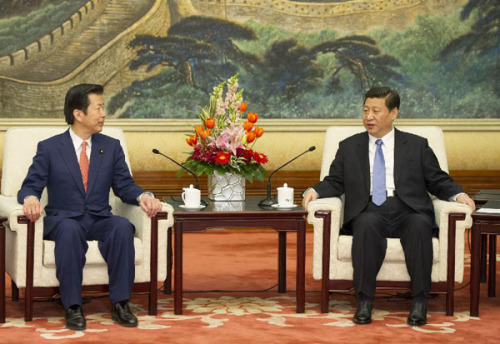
[483, 39]
[361, 56]
[288, 68]
[201, 49]
[171, 51]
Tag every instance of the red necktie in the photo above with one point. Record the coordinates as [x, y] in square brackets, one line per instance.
[84, 165]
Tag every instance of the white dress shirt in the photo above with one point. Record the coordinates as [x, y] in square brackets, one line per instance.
[77, 144]
[388, 150]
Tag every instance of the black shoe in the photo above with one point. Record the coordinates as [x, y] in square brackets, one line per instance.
[121, 313]
[75, 319]
[363, 313]
[418, 314]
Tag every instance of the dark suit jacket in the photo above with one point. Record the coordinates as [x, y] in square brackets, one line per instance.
[416, 171]
[56, 167]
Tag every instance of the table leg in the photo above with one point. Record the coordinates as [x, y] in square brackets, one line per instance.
[484, 244]
[492, 268]
[167, 285]
[301, 266]
[178, 269]
[475, 273]
[282, 262]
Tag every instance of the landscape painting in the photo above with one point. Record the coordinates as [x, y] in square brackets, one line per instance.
[160, 59]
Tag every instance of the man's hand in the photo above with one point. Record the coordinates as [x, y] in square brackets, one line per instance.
[465, 199]
[32, 208]
[309, 196]
[150, 205]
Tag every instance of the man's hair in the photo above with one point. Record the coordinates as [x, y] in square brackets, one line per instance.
[391, 96]
[77, 99]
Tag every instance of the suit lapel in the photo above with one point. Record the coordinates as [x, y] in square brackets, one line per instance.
[96, 156]
[400, 152]
[69, 158]
[362, 152]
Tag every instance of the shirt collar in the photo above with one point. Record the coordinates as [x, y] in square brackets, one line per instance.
[77, 141]
[387, 139]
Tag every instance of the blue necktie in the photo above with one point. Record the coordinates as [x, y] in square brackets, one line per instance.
[379, 193]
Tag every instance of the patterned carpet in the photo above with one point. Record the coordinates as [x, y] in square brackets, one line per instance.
[246, 260]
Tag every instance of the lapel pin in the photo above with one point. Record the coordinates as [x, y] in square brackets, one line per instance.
[101, 151]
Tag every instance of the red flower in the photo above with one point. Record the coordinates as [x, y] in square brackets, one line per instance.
[243, 107]
[259, 158]
[246, 154]
[222, 158]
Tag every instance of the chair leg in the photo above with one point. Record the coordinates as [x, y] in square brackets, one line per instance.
[450, 300]
[15, 291]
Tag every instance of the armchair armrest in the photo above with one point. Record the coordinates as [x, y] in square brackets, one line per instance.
[443, 208]
[140, 219]
[334, 205]
[445, 212]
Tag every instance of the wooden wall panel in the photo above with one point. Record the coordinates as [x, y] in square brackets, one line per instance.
[165, 183]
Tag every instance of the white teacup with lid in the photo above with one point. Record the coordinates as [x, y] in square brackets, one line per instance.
[191, 197]
[285, 196]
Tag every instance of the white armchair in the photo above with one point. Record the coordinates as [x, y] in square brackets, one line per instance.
[333, 264]
[30, 260]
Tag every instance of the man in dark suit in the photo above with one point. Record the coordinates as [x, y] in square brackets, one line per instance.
[385, 175]
[78, 168]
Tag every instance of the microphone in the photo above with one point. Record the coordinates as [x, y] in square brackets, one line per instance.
[197, 185]
[268, 201]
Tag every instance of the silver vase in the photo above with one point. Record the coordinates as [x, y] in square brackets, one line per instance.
[226, 187]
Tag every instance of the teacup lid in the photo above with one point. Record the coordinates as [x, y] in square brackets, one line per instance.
[189, 188]
[285, 186]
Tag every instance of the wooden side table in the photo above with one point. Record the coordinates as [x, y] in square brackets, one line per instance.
[483, 225]
[241, 214]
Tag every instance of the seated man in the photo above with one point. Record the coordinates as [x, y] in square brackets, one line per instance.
[385, 175]
[78, 168]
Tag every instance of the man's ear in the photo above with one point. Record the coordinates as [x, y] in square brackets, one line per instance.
[77, 114]
[394, 113]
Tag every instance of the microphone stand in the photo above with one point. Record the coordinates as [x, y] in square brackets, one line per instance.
[269, 200]
[197, 185]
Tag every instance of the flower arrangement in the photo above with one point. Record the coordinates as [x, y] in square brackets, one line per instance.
[224, 140]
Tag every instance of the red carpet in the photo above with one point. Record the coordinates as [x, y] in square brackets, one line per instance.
[247, 260]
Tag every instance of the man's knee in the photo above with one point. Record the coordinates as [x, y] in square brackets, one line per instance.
[122, 227]
[69, 231]
[365, 223]
[418, 226]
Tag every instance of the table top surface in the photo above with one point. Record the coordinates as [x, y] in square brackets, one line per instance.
[250, 205]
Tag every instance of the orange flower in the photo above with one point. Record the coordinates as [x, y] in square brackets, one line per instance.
[248, 126]
[205, 133]
[210, 122]
[252, 117]
[199, 130]
[243, 107]
[250, 136]
[222, 158]
[191, 140]
[259, 131]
